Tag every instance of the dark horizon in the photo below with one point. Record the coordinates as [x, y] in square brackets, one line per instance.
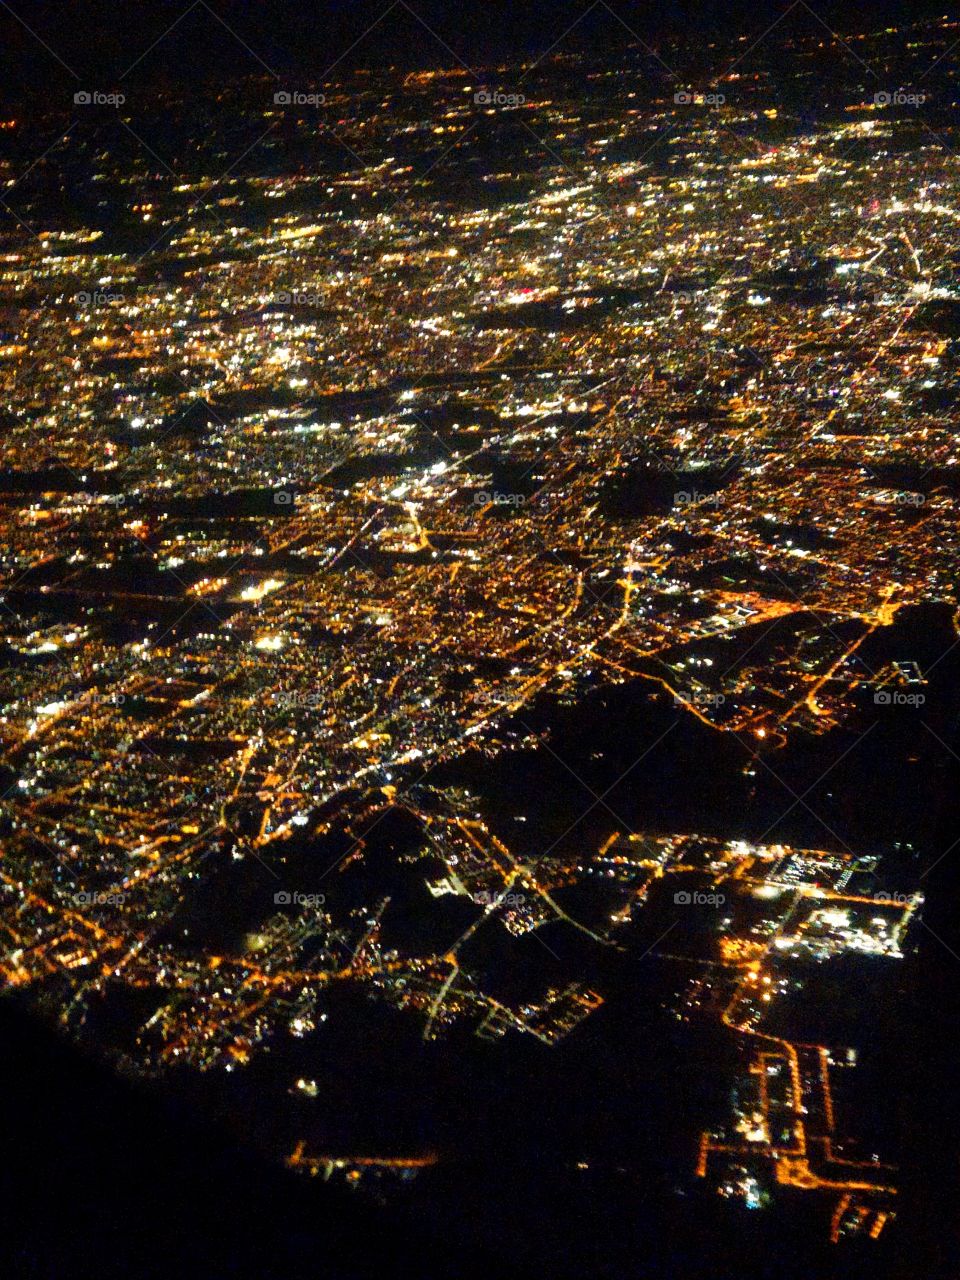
[179, 41]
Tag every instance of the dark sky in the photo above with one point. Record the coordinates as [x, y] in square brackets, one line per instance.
[98, 40]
